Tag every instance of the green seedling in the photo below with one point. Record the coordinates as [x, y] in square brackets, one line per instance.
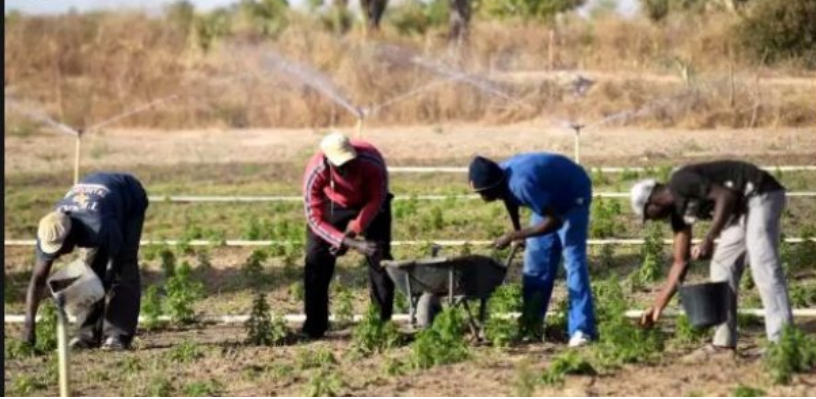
[131, 365]
[26, 385]
[500, 331]
[620, 340]
[525, 380]
[201, 389]
[651, 255]
[204, 263]
[182, 293]
[15, 349]
[313, 359]
[323, 384]
[395, 367]
[802, 295]
[263, 328]
[253, 268]
[568, 363]
[343, 306]
[605, 219]
[685, 334]
[442, 343]
[151, 308]
[372, 335]
[185, 352]
[794, 353]
[47, 328]
[744, 391]
[297, 292]
[160, 386]
[168, 262]
[556, 325]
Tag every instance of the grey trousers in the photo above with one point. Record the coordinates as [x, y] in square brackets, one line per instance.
[755, 239]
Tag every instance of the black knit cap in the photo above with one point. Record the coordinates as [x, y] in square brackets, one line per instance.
[484, 174]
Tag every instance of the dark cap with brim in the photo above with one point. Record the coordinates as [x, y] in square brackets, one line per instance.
[484, 174]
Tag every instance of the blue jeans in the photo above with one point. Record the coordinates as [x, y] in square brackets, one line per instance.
[541, 261]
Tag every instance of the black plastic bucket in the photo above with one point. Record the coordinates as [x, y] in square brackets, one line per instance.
[706, 305]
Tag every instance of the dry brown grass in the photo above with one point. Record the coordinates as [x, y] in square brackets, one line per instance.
[86, 68]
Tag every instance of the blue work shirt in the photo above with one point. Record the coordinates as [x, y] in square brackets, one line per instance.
[543, 180]
[99, 205]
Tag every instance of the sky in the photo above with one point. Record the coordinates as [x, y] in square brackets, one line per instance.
[626, 7]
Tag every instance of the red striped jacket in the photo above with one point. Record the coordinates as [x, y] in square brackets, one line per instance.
[364, 187]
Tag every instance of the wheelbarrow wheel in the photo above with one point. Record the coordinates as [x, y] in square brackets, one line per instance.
[428, 307]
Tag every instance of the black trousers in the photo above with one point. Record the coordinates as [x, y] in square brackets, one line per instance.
[118, 314]
[320, 263]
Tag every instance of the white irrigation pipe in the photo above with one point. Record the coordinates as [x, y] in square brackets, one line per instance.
[398, 243]
[425, 197]
[605, 169]
[300, 318]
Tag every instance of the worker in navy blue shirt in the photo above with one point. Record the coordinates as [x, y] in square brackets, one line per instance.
[559, 193]
[103, 215]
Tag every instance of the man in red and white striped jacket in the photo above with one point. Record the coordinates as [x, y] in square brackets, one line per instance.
[346, 198]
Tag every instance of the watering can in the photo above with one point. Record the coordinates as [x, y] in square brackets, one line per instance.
[76, 287]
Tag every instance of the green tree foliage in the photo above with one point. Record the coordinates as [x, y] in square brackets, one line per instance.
[775, 30]
[540, 10]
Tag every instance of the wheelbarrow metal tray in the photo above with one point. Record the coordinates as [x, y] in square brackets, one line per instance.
[474, 276]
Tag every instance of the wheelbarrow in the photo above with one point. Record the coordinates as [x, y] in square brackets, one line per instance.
[460, 279]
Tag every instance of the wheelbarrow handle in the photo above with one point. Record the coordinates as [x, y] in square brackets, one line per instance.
[513, 249]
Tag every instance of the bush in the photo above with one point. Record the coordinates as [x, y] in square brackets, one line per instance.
[620, 340]
[47, 328]
[417, 18]
[502, 332]
[541, 10]
[778, 30]
[185, 352]
[442, 343]
[182, 293]
[151, 308]
[371, 335]
[263, 328]
[567, 363]
[794, 353]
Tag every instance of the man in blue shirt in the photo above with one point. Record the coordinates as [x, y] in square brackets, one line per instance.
[559, 193]
[102, 214]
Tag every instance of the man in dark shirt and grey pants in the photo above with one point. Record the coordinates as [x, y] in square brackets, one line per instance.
[102, 214]
[745, 205]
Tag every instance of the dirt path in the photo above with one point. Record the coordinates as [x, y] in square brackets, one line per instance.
[414, 145]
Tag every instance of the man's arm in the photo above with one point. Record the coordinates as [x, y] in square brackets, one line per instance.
[725, 202]
[682, 245]
[513, 211]
[35, 290]
[550, 223]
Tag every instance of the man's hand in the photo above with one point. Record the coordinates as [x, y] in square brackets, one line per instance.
[703, 250]
[508, 238]
[366, 248]
[504, 241]
[651, 316]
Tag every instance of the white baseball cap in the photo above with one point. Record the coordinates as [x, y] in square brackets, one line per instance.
[337, 148]
[641, 192]
[52, 231]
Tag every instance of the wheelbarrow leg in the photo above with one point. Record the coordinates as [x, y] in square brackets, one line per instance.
[411, 304]
[474, 329]
[450, 286]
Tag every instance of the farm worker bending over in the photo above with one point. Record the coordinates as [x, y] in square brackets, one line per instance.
[346, 197]
[102, 214]
[558, 192]
[746, 203]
